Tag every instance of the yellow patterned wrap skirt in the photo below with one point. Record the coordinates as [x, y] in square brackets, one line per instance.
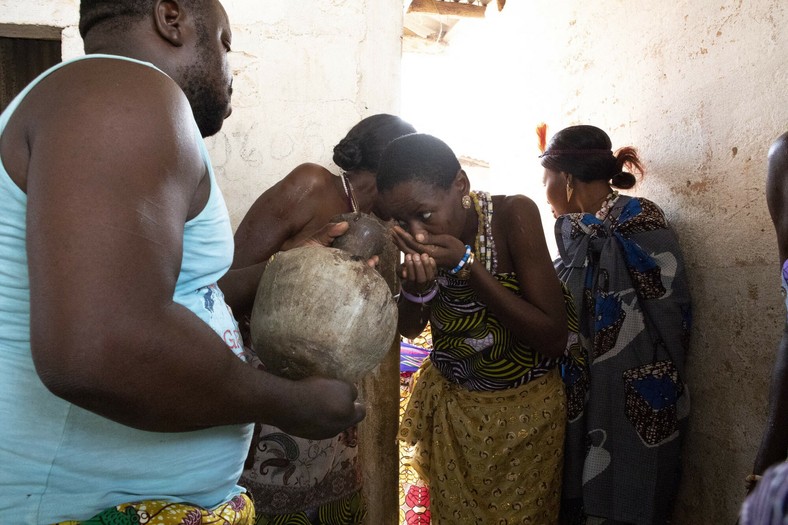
[237, 511]
[487, 456]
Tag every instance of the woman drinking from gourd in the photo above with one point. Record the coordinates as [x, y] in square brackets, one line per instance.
[487, 413]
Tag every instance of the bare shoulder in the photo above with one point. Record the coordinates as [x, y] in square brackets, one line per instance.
[516, 209]
[516, 220]
[310, 176]
[519, 237]
[104, 89]
[113, 105]
[293, 201]
[776, 174]
[780, 143]
[777, 191]
[306, 185]
[97, 106]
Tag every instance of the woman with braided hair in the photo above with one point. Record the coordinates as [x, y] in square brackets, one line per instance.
[628, 403]
[295, 480]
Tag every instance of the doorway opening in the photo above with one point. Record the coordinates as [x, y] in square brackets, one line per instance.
[463, 81]
[25, 52]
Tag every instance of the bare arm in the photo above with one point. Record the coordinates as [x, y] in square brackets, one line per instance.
[539, 316]
[113, 177]
[280, 213]
[774, 444]
[777, 192]
[287, 212]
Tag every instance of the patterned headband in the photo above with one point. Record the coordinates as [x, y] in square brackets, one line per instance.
[578, 152]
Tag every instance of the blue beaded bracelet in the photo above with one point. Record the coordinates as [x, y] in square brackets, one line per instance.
[468, 251]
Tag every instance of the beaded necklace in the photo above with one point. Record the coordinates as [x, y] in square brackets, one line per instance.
[351, 197]
[604, 211]
[485, 244]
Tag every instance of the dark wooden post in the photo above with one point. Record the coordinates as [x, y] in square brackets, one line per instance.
[378, 448]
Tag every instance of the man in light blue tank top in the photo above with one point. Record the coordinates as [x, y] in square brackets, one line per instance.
[774, 443]
[124, 392]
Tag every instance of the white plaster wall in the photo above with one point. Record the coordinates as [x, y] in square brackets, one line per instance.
[699, 86]
[304, 73]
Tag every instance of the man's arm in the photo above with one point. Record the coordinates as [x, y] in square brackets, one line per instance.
[114, 175]
[777, 192]
[774, 444]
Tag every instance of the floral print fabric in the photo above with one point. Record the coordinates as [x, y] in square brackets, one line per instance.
[237, 511]
[487, 457]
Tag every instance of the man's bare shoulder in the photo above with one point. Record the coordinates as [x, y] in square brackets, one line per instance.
[98, 103]
[91, 104]
[106, 87]
[126, 122]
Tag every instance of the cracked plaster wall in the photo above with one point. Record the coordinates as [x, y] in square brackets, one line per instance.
[304, 73]
[700, 87]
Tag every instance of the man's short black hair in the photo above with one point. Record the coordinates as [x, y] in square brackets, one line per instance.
[120, 13]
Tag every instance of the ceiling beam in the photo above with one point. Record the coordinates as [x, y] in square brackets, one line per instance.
[38, 32]
[441, 7]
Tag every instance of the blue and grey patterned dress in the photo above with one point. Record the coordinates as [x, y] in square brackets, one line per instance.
[627, 396]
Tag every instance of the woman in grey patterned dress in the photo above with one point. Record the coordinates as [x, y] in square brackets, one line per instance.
[626, 391]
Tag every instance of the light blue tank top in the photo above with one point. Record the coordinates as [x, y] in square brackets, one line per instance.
[58, 461]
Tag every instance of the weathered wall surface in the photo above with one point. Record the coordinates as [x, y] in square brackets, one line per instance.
[700, 88]
[304, 73]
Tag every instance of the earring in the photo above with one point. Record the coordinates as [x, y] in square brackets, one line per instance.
[569, 190]
[466, 202]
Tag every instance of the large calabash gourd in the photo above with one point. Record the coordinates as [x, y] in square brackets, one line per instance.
[325, 311]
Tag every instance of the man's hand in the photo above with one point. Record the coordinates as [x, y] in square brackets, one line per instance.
[326, 408]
